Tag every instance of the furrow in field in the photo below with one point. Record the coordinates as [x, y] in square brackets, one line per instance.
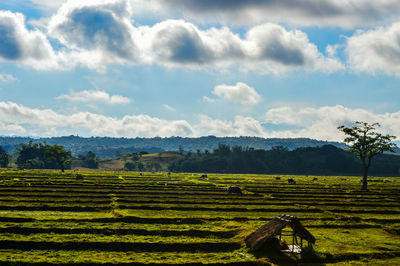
[96, 208]
[121, 246]
[107, 231]
[226, 201]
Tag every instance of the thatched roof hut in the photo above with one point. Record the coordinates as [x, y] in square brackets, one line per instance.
[274, 227]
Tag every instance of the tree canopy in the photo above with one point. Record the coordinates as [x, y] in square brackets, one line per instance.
[366, 143]
[89, 160]
[4, 157]
[58, 154]
[325, 160]
[42, 156]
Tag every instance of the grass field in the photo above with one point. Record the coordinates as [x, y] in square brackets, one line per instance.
[124, 217]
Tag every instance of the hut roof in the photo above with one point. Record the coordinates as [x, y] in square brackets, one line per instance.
[256, 239]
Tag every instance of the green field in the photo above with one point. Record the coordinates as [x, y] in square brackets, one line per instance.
[124, 217]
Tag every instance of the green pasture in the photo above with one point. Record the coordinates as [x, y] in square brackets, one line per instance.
[124, 217]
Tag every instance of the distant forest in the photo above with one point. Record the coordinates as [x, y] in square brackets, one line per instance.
[110, 147]
[325, 160]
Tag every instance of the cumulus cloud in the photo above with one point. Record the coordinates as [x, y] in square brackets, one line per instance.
[178, 42]
[208, 99]
[241, 93]
[376, 50]
[98, 33]
[101, 27]
[267, 48]
[317, 123]
[94, 96]
[45, 120]
[11, 129]
[23, 46]
[342, 13]
[241, 126]
[322, 122]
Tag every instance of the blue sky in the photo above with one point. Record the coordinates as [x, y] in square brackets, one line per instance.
[146, 68]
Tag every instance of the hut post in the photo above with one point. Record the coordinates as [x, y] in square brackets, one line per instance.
[293, 241]
[301, 242]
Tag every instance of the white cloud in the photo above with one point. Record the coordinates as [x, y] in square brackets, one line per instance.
[7, 77]
[331, 50]
[22, 46]
[95, 34]
[48, 6]
[216, 127]
[99, 31]
[337, 13]
[169, 108]
[241, 126]
[208, 99]
[94, 96]
[248, 126]
[85, 123]
[267, 48]
[317, 123]
[241, 93]
[11, 129]
[322, 122]
[376, 50]
[176, 42]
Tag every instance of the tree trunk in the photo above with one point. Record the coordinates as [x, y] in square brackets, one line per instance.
[365, 178]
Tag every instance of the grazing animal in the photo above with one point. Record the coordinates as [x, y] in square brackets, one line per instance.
[140, 174]
[277, 178]
[203, 176]
[169, 173]
[79, 177]
[315, 179]
[234, 190]
[291, 181]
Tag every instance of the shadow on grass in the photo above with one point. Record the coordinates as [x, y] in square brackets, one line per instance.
[280, 258]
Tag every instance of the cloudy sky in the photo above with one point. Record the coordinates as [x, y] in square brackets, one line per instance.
[268, 68]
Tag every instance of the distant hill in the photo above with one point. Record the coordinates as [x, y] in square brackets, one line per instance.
[108, 146]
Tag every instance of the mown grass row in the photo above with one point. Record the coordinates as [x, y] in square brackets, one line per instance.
[146, 218]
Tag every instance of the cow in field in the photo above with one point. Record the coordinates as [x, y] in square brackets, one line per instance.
[203, 176]
[291, 181]
[315, 179]
[79, 177]
[234, 190]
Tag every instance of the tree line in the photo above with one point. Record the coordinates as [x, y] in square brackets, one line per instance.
[109, 147]
[325, 160]
[45, 156]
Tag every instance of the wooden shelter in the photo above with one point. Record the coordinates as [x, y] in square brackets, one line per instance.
[273, 228]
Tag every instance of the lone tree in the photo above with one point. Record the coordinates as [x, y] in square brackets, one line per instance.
[366, 143]
[58, 154]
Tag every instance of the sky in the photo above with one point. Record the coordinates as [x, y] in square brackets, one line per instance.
[190, 68]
